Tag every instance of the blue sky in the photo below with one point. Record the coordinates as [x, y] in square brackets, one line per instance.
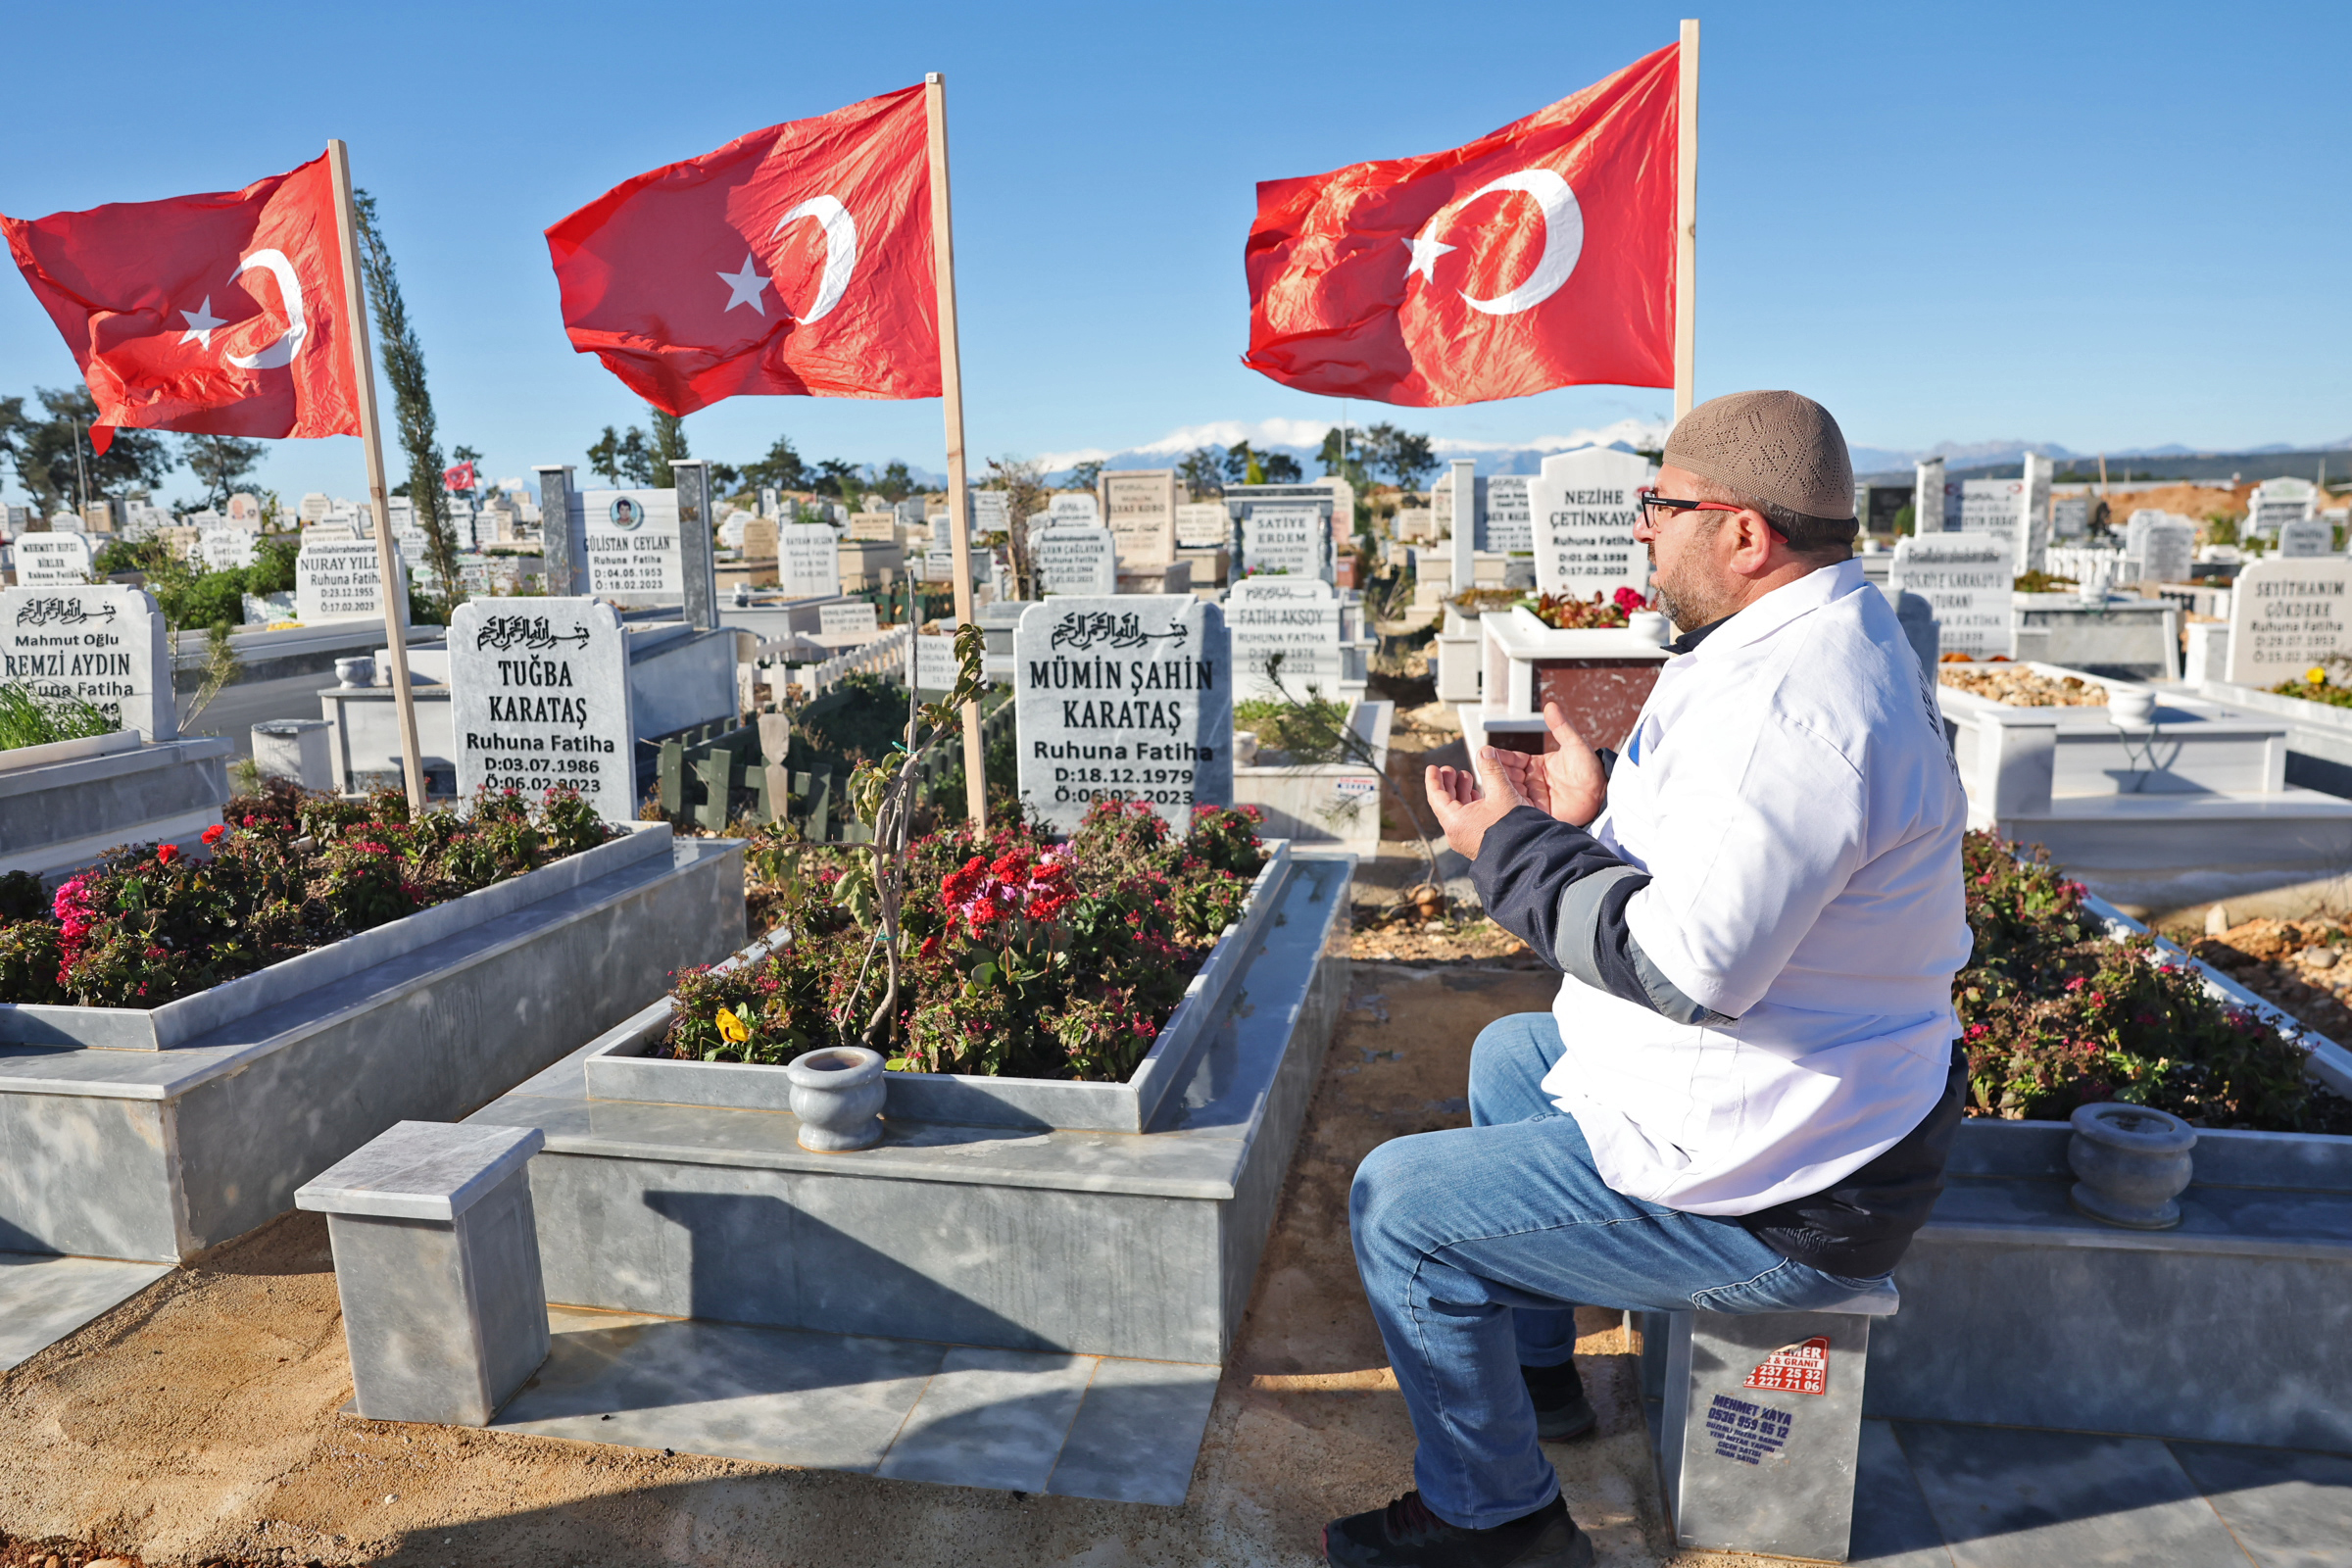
[2099, 225]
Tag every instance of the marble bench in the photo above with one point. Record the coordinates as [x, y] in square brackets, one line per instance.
[1756, 1422]
[437, 1262]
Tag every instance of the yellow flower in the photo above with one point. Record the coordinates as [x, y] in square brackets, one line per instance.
[731, 1028]
[2315, 676]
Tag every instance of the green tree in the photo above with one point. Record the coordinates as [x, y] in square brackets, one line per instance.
[1200, 474]
[1281, 468]
[1084, 475]
[604, 456]
[222, 462]
[834, 478]
[666, 446]
[54, 459]
[896, 484]
[1405, 456]
[1343, 455]
[403, 359]
[781, 468]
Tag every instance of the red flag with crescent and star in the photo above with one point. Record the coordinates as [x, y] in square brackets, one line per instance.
[217, 315]
[1542, 254]
[796, 261]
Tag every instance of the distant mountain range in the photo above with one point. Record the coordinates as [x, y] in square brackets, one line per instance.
[2179, 460]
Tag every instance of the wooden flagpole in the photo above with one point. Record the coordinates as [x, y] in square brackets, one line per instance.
[951, 386]
[1686, 222]
[372, 442]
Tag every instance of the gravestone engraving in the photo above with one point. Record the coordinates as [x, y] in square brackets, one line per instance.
[104, 644]
[991, 511]
[1585, 505]
[935, 664]
[1296, 617]
[2288, 616]
[225, 549]
[1142, 507]
[1123, 697]
[1204, 526]
[1286, 540]
[539, 699]
[882, 526]
[909, 512]
[2300, 538]
[759, 539]
[1926, 496]
[2070, 518]
[807, 561]
[1506, 526]
[337, 579]
[53, 560]
[2279, 502]
[939, 564]
[633, 548]
[2158, 547]
[851, 622]
[1074, 559]
[1966, 578]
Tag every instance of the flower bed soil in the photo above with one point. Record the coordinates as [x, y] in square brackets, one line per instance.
[292, 874]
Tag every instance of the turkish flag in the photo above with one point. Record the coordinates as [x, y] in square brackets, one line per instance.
[793, 261]
[220, 314]
[460, 477]
[1542, 254]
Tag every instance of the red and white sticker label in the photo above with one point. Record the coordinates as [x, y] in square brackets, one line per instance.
[1795, 1369]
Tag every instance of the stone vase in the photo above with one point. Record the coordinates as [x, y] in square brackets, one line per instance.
[2132, 1163]
[1651, 627]
[838, 1094]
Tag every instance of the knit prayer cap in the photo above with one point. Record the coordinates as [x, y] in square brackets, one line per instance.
[1781, 447]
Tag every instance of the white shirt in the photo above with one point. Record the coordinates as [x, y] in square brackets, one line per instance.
[1788, 788]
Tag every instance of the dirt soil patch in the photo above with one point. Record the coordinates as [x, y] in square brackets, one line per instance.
[196, 1424]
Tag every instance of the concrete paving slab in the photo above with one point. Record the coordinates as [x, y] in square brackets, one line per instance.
[43, 1297]
[2013, 1498]
[1893, 1527]
[2288, 1509]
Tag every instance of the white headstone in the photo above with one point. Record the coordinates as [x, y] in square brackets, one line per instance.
[1075, 509]
[225, 549]
[1288, 540]
[769, 501]
[1298, 617]
[1143, 516]
[1074, 559]
[2277, 502]
[2158, 547]
[910, 512]
[2288, 616]
[104, 644]
[1926, 496]
[1204, 526]
[539, 697]
[731, 527]
[1507, 525]
[1585, 505]
[939, 564]
[807, 561]
[633, 546]
[1966, 580]
[2070, 518]
[53, 560]
[879, 526]
[2300, 538]
[991, 511]
[851, 622]
[934, 662]
[245, 510]
[1123, 697]
[2033, 527]
[337, 579]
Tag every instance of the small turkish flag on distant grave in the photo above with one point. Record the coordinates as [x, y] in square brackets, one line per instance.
[458, 477]
[220, 314]
[1802, 1368]
[1542, 254]
[793, 261]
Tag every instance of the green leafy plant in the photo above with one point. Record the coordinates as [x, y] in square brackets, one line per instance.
[29, 719]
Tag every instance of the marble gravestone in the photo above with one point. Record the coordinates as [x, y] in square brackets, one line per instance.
[848, 623]
[1204, 526]
[1582, 507]
[1967, 580]
[1074, 559]
[1297, 617]
[1141, 507]
[879, 526]
[1926, 496]
[2158, 547]
[102, 644]
[2070, 518]
[539, 697]
[807, 561]
[991, 511]
[939, 565]
[758, 539]
[2288, 616]
[1072, 510]
[935, 669]
[769, 503]
[2300, 538]
[1126, 697]
[2279, 502]
[1505, 525]
[633, 552]
[225, 549]
[1284, 540]
[910, 512]
[53, 560]
[338, 579]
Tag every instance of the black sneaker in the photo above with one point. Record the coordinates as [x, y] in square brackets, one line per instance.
[1407, 1535]
[1562, 1411]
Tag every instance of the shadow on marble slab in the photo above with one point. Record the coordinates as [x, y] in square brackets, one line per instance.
[2013, 1498]
[43, 1297]
[777, 1395]
[992, 1418]
[2289, 1509]
[1893, 1527]
[1138, 1433]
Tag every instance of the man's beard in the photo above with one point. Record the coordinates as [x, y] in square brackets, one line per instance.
[1686, 607]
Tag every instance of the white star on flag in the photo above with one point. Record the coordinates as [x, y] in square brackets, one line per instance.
[1426, 252]
[201, 321]
[745, 287]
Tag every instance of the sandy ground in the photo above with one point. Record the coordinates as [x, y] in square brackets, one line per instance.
[196, 1424]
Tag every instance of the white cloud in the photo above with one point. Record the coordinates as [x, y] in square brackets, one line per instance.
[1054, 462]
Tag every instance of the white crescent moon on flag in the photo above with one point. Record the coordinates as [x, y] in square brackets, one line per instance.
[1563, 238]
[289, 287]
[841, 250]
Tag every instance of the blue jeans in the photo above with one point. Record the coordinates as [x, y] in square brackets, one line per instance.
[1476, 1243]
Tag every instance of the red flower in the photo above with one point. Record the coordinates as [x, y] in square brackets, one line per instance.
[166, 854]
[214, 834]
[1628, 601]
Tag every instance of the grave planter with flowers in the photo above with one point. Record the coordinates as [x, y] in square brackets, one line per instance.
[191, 1029]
